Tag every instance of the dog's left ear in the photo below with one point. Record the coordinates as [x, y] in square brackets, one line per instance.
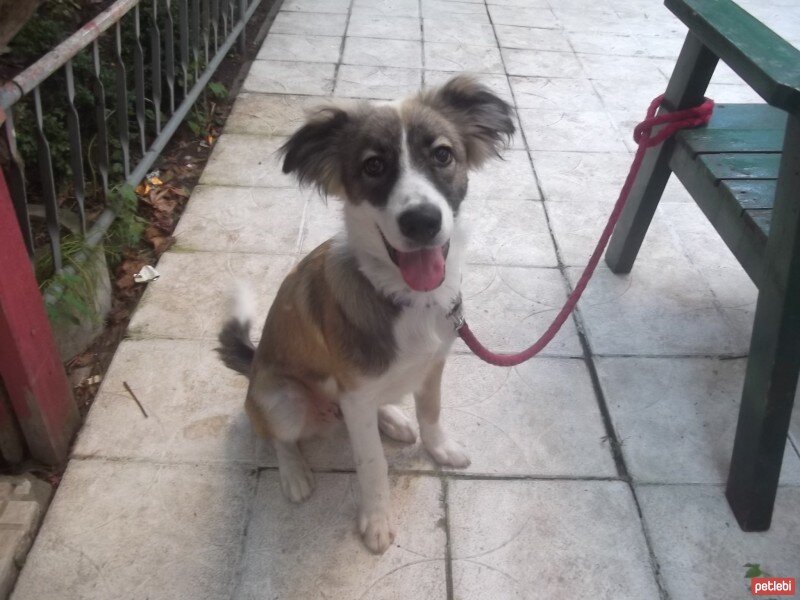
[482, 118]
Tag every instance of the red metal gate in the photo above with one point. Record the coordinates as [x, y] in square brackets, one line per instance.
[31, 373]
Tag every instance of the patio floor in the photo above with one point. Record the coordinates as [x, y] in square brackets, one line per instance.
[186, 503]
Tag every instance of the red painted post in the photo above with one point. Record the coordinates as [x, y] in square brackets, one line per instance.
[30, 366]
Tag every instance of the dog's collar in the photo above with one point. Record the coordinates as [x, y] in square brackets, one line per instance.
[456, 314]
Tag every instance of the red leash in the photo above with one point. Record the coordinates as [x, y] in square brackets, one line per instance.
[642, 135]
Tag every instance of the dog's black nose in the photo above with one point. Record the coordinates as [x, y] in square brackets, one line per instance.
[421, 223]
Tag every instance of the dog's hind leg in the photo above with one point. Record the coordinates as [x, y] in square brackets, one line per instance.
[282, 412]
[395, 424]
[297, 480]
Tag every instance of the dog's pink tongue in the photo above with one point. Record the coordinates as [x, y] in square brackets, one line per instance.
[423, 270]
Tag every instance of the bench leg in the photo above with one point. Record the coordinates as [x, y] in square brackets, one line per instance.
[772, 369]
[686, 87]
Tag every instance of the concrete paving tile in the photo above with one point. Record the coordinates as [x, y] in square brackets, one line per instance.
[620, 96]
[432, 9]
[540, 63]
[287, 77]
[138, 530]
[609, 44]
[382, 53]
[248, 161]
[388, 83]
[508, 179]
[629, 69]
[445, 30]
[655, 311]
[189, 299]
[577, 227]
[317, 6]
[592, 20]
[312, 550]
[297, 23]
[661, 46]
[546, 539]
[527, 16]
[389, 8]
[389, 28]
[460, 57]
[521, 3]
[540, 419]
[508, 232]
[301, 48]
[238, 219]
[323, 220]
[700, 549]
[581, 176]
[532, 38]
[554, 93]
[194, 404]
[570, 131]
[676, 417]
[508, 308]
[271, 114]
[466, 20]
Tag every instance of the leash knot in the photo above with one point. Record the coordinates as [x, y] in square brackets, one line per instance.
[674, 121]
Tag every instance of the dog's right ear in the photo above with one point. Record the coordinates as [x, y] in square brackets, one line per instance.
[312, 151]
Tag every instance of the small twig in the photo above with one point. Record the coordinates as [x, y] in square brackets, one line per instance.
[135, 399]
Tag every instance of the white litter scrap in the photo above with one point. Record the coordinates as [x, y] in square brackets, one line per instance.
[146, 275]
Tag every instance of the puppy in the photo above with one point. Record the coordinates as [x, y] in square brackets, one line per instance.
[368, 316]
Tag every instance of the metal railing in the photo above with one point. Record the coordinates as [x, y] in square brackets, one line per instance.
[172, 56]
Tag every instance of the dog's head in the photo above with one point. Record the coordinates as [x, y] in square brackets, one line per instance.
[402, 168]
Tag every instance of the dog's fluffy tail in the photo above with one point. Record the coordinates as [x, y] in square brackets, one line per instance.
[235, 349]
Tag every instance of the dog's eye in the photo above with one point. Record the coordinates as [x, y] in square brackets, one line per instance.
[374, 166]
[443, 155]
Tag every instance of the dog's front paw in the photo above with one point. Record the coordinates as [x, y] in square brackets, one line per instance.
[448, 454]
[297, 480]
[376, 530]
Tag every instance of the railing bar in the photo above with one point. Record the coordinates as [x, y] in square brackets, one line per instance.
[195, 36]
[13, 90]
[99, 93]
[169, 51]
[75, 148]
[243, 35]
[183, 29]
[16, 181]
[138, 78]
[155, 51]
[122, 104]
[215, 23]
[48, 183]
[206, 29]
[224, 13]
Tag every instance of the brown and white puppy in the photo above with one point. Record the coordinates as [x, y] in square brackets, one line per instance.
[363, 320]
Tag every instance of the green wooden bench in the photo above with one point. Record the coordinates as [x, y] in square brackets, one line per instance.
[743, 170]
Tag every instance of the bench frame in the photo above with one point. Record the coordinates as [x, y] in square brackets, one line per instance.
[754, 52]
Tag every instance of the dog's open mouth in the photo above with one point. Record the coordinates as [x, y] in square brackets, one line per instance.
[423, 270]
